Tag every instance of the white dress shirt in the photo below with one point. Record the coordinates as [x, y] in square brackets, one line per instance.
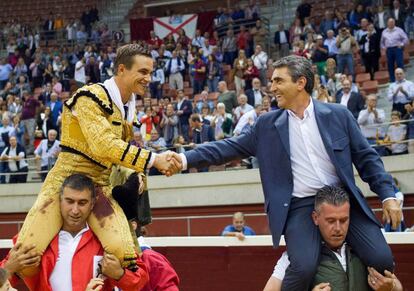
[311, 166]
[371, 125]
[282, 37]
[345, 98]
[400, 97]
[61, 277]
[257, 97]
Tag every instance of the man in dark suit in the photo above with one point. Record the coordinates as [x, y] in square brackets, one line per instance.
[398, 13]
[281, 41]
[255, 95]
[184, 109]
[353, 101]
[371, 52]
[300, 148]
[55, 108]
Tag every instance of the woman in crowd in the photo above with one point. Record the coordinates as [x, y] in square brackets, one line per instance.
[250, 73]
[213, 73]
[239, 67]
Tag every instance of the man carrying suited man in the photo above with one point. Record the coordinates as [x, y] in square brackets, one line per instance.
[300, 148]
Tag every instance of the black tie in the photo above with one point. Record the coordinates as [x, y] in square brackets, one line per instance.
[126, 112]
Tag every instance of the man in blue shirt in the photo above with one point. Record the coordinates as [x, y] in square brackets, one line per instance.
[5, 70]
[238, 228]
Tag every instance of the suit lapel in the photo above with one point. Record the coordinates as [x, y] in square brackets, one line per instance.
[282, 125]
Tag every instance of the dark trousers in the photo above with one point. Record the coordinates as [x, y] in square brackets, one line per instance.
[198, 86]
[43, 175]
[303, 242]
[394, 55]
[371, 63]
[14, 178]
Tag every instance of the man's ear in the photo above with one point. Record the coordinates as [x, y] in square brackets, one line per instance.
[301, 83]
[315, 216]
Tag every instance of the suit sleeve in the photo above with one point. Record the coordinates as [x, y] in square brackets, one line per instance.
[132, 281]
[220, 152]
[367, 161]
[103, 142]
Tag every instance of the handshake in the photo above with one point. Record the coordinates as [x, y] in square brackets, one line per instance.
[168, 163]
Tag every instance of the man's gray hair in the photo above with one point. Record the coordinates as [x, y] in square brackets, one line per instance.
[298, 67]
[331, 195]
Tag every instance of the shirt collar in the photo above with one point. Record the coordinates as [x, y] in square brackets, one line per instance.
[307, 114]
[80, 233]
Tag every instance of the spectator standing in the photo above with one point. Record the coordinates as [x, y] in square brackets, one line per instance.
[330, 42]
[259, 34]
[239, 67]
[380, 19]
[345, 43]
[243, 39]
[410, 126]
[184, 109]
[229, 47]
[393, 40]
[5, 70]
[250, 73]
[21, 86]
[154, 40]
[199, 74]
[20, 69]
[56, 107]
[260, 61]
[203, 101]
[295, 31]
[326, 24]
[36, 68]
[80, 74]
[92, 73]
[6, 131]
[213, 73]
[303, 11]
[18, 129]
[198, 40]
[370, 50]
[370, 121]
[157, 81]
[238, 228]
[30, 107]
[396, 135]
[227, 97]
[15, 107]
[409, 19]
[320, 55]
[282, 41]
[400, 92]
[169, 42]
[47, 152]
[173, 70]
[149, 121]
[44, 122]
[15, 156]
[353, 101]
[169, 125]
[398, 14]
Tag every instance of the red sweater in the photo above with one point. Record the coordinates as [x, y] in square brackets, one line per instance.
[82, 268]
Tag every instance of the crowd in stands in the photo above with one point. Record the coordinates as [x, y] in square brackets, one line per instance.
[206, 88]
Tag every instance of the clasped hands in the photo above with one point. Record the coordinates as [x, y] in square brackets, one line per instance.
[168, 163]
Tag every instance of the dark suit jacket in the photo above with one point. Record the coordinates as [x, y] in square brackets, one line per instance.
[268, 140]
[250, 96]
[355, 104]
[57, 109]
[187, 107]
[277, 37]
[401, 17]
[205, 134]
[374, 44]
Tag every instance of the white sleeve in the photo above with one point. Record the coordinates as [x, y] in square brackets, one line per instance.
[281, 266]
